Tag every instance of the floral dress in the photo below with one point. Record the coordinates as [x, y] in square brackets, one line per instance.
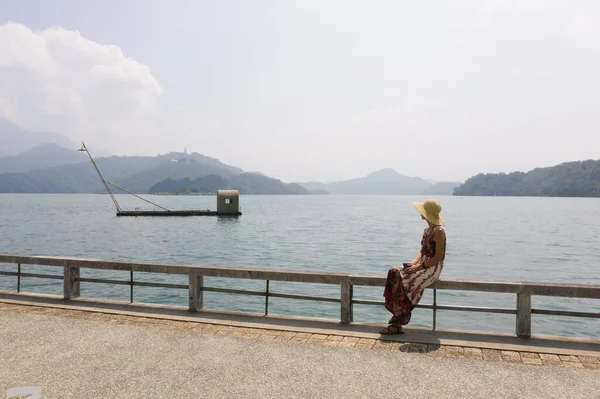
[403, 291]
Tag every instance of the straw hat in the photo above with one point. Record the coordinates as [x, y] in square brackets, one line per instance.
[430, 210]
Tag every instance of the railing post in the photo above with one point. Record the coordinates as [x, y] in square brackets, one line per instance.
[131, 286]
[196, 281]
[434, 309]
[346, 312]
[524, 315]
[71, 283]
[19, 277]
[267, 298]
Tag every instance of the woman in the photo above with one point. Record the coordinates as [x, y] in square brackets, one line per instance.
[405, 284]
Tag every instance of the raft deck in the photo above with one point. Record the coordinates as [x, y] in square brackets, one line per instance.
[190, 212]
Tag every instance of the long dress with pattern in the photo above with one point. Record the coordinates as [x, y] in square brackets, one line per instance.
[403, 291]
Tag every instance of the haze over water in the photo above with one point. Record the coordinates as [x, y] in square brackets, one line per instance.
[492, 239]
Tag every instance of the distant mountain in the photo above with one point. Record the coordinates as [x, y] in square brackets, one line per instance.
[382, 182]
[173, 172]
[245, 183]
[14, 140]
[315, 186]
[441, 188]
[48, 163]
[136, 174]
[176, 166]
[571, 179]
[41, 157]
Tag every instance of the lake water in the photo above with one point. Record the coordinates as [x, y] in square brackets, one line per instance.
[512, 239]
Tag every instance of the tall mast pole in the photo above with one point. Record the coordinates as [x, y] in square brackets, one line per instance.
[84, 148]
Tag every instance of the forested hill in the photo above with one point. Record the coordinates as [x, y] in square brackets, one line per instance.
[245, 183]
[571, 179]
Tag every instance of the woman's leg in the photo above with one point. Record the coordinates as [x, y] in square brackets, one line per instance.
[396, 301]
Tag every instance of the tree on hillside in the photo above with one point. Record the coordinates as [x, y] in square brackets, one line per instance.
[571, 179]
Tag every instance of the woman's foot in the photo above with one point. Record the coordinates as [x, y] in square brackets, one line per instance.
[391, 330]
[394, 320]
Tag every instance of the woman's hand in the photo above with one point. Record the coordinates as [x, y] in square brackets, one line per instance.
[406, 265]
[412, 269]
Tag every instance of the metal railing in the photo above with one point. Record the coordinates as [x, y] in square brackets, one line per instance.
[523, 290]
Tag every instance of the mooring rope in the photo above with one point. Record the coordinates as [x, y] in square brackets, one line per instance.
[137, 196]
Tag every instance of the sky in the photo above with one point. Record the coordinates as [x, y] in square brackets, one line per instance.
[310, 89]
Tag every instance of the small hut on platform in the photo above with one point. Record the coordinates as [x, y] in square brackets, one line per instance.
[228, 202]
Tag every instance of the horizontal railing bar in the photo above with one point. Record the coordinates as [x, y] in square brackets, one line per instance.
[135, 283]
[568, 290]
[48, 276]
[184, 286]
[161, 285]
[477, 309]
[541, 289]
[565, 313]
[32, 275]
[531, 288]
[168, 268]
[271, 294]
[381, 303]
[367, 302]
[444, 307]
[102, 281]
[231, 291]
[306, 297]
[365, 280]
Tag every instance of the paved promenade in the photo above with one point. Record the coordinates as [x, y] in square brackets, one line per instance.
[75, 354]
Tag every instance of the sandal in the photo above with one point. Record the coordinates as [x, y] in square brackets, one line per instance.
[392, 330]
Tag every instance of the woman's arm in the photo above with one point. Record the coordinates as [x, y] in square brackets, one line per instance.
[417, 259]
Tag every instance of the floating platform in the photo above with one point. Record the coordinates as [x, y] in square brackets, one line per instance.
[190, 212]
[228, 201]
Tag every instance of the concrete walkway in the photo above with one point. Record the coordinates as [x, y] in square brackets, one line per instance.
[106, 356]
[555, 350]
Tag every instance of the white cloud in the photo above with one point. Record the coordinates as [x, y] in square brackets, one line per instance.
[58, 80]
